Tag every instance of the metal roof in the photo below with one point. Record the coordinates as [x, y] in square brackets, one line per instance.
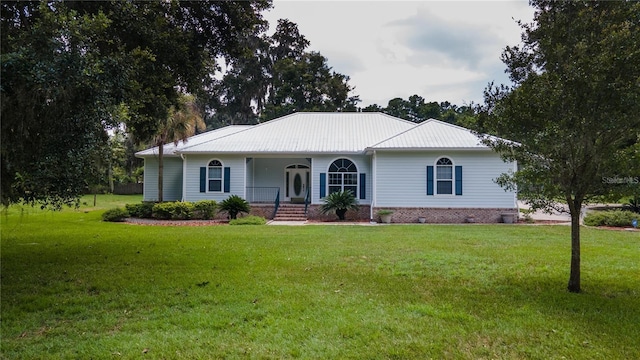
[171, 148]
[318, 132]
[308, 133]
[432, 134]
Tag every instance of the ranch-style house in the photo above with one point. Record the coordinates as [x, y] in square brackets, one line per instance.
[433, 171]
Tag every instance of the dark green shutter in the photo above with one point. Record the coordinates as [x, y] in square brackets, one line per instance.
[363, 186]
[203, 179]
[227, 179]
[429, 180]
[323, 185]
[458, 180]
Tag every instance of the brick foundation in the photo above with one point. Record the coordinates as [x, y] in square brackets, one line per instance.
[314, 213]
[263, 210]
[402, 215]
[448, 215]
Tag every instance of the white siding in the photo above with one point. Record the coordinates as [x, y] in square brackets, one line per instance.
[171, 179]
[402, 178]
[320, 164]
[270, 172]
[237, 166]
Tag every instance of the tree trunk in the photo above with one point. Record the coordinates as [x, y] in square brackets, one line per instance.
[340, 213]
[160, 169]
[110, 176]
[574, 276]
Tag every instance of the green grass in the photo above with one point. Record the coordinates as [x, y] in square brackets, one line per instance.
[76, 287]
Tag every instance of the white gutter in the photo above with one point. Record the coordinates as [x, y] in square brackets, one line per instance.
[515, 197]
[374, 175]
[184, 176]
[244, 176]
[475, 148]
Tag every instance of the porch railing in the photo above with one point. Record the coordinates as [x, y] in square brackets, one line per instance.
[275, 210]
[307, 200]
[262, 194]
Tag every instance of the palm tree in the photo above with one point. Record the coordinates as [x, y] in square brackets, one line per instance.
[234, 205]
[340, 201]
[180, 124]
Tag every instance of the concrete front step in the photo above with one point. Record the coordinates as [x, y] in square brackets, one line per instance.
[290, 212]
[277, 218]
[290, 216]
[280, 213]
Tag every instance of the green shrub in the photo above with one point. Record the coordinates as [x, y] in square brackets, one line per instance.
[204, 209]
[633, 205]
[115, 215]
[176, 210]
[249, 220]
[142, 210]
[610, 218]
[234, 205]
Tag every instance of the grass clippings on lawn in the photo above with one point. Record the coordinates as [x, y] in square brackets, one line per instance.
[76, 287]
[154, 222]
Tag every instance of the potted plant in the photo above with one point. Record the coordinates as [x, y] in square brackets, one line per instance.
[422, 219]
[340, 202]
[509, 218]
[385, 216]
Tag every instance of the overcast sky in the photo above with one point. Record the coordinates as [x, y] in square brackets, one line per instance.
[440, 50]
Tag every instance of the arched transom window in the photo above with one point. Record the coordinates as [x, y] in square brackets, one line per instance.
[343, 175]
[444, 176]
[214, 176]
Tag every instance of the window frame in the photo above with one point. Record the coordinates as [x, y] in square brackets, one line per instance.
[209, 179]
[437, 179]
[336, 179]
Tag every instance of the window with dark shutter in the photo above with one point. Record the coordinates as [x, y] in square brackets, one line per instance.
[214, 176]
[444, 176]
[343, 176]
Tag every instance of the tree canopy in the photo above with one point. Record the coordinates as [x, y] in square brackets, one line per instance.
[71, 71]
[67, 67]
[416, 109]
[276, 76]
[182, 122]
[573, 108]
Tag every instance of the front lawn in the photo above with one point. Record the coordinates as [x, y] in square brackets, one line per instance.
[76, 287]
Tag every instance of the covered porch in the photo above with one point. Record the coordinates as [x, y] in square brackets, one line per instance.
[284, 187]
[278, 188]
[281, 180]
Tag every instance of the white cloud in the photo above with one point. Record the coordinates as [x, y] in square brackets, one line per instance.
[438, 50]
[435, 40]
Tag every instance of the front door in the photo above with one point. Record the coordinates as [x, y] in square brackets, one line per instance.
[296, 183]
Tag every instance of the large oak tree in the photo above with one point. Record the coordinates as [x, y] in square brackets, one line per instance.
[66, 67]
[276, 76]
